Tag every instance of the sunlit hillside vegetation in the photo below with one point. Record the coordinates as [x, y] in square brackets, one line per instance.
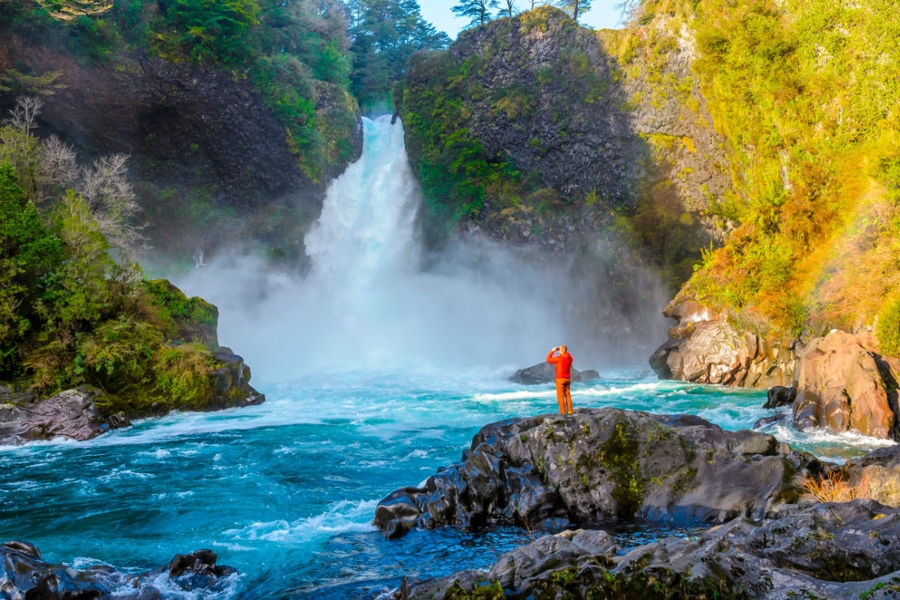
[805, 93]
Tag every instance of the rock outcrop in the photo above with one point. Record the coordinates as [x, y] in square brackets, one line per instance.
[550, 98]
[73, 414]
[601, 464]
[704, 347]
[27, 576]
[843, 385]
[70, 414]
[231, 382]
[849, 550]
[780, 396]
[546, 373]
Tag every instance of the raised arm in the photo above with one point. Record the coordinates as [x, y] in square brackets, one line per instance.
[551, 358]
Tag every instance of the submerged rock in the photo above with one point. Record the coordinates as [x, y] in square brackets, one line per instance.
[27, 576]
[849, 550]
[70, 414]
[841, 385]
[546, 373]
[600, 464]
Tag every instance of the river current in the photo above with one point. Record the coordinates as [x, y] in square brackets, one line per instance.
[376, 374]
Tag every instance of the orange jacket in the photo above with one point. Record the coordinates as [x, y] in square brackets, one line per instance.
[563, 364]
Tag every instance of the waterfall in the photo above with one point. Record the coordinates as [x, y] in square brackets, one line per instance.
[366, 229]
[366, 303]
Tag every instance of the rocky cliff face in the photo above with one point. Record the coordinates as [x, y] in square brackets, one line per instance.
[705, 347]
[211, 162]
[545, 102]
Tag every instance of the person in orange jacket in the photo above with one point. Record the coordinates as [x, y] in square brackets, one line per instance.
[563, 364]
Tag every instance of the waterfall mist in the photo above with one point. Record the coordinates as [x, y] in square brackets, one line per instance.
[371, 300]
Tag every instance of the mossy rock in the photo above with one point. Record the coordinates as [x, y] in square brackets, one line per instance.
[182, 318]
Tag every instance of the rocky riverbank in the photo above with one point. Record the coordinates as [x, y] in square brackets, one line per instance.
[603, 464]
[177, 365]
[848, 550]
[27, 576]
[770, 539]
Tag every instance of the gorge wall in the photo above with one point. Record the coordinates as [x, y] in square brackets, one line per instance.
[749, 153]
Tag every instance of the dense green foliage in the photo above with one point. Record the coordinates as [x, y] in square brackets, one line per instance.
[888, 330]
[70, 314]
[384, 34]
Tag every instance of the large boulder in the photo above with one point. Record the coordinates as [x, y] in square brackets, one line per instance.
[27, 576]
[704, 347]
[849, 550]
[602, 464]
[841, 385]
[546, 373]
[70, 414]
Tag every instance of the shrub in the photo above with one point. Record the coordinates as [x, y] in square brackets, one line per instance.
[28, 253]
[835, 488]
[182, 318]
[117, 356]
[183, 375]
[888, 329]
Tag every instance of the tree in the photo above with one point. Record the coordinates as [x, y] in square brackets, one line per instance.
[384, 34]
[477, 11]
[509, 8]
[628, 9]
[575, 8]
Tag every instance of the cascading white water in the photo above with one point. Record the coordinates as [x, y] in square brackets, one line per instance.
[367, 227]
[366, 304]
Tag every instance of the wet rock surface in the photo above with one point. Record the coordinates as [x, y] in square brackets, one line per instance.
[780, 396]
[849, 550]
[70, 414]
[27, 576]
[546, 373]
[843, 385]
[232, 382]
[603, 464]
[705, 348]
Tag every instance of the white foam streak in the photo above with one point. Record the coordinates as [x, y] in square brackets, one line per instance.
[340, 517]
